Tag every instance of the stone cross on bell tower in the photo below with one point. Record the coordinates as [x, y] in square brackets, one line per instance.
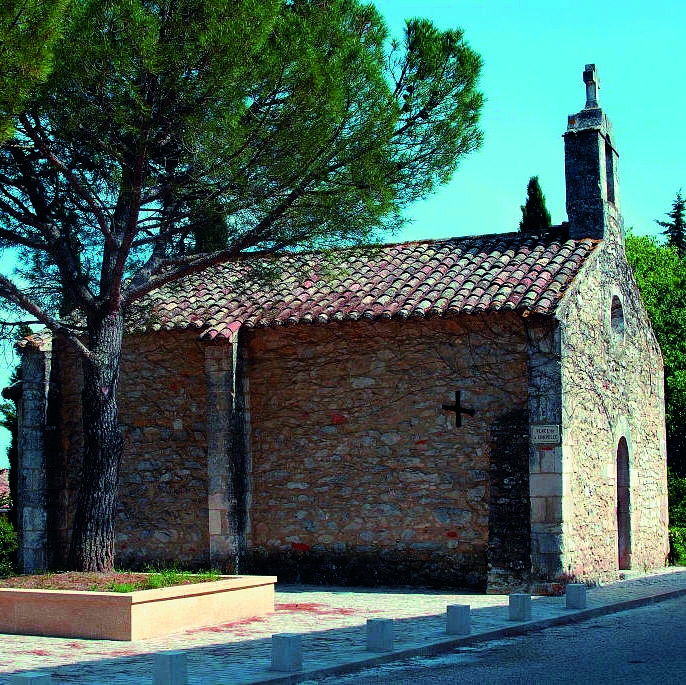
[591, 162]
[592, 86]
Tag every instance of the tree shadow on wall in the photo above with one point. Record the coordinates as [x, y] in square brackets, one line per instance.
[509, 536]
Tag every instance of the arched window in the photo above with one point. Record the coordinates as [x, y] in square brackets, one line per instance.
[623, 505]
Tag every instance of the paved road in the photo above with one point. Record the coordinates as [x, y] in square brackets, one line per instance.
[332, 624]
[644, 646]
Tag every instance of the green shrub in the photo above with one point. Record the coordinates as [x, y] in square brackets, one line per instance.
[677, 545]
[677, 518]
[676, 487]
[8, 547]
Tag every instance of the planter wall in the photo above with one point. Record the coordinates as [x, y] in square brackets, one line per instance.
[134, 615]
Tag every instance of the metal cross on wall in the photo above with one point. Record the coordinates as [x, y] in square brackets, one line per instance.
[458, 409]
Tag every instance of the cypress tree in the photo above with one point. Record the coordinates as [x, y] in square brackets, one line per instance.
[535, 216]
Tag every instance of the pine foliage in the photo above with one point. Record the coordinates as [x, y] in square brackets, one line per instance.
[675, 228]
[311, 129]
[28, 30]
[172, 135]
[661, 277]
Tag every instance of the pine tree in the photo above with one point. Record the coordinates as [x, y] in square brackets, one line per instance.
[310, 129]
[675, 228]
[535, 216]
[28, 30]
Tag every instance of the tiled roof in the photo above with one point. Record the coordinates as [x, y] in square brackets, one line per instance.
[419, 279]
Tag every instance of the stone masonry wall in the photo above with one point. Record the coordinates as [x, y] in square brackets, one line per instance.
[162, 513]
[358, 474]
[612, 388]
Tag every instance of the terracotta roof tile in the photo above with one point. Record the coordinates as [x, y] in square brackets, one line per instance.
[487, 273]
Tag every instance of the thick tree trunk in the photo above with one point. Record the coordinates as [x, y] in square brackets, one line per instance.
[92, 542]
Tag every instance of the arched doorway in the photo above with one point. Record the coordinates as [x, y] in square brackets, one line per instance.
[623, 505]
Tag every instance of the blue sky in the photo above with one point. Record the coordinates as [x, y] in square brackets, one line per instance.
[534, 54]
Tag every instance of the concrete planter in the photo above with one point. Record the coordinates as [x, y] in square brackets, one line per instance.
[134, 615]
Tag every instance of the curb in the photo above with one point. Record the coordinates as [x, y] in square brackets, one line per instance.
[446, 645]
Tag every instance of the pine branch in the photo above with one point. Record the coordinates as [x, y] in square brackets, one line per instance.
[13, 294]
[43, 146]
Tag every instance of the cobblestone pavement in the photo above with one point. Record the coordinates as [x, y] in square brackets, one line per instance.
[333, 624]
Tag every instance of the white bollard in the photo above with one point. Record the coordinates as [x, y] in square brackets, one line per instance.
[379, 635]
[287, 652]
[170, 669]
[458, 619]
[576, 596]
[31, 678]
[520, 607]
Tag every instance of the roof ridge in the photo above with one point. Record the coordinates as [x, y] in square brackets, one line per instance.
[509, 235]
[492, 272]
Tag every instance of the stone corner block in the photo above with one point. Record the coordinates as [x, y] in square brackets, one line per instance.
[33, 559]
[545, 484]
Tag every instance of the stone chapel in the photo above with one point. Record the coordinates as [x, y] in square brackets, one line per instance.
[481, 411]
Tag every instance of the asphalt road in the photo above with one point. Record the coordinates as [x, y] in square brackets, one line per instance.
[645, 646]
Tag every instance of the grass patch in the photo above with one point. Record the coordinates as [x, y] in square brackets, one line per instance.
[116, 581]
[167, 577]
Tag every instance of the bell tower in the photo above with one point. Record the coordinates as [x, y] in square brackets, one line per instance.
[591, 169]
